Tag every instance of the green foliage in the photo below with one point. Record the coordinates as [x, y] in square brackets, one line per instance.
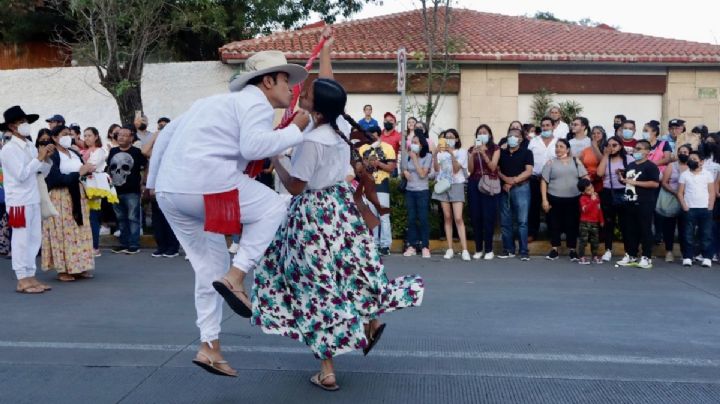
[542, 100]
[570, 109]
[29, 20]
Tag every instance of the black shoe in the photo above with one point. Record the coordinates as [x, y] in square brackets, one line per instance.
[119, 250]
[524, 257]
[384, 251]
[573, 256]
[171, 254]
[157, 254]
[132, 251]
[552, 255]
[506, 254]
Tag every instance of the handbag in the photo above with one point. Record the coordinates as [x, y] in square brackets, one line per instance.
[47, 209]
[441, 186]
[488, 185]
[667, 204]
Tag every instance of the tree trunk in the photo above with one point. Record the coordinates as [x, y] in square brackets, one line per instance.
[128, 102]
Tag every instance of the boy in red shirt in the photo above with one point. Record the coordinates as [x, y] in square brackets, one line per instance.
[591, 219]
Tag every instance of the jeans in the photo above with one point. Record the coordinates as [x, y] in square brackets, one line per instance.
[164, 237]
[382, 233]
[418, 207]
[669, 224]
[128, 217]
[613, 215]
[95, 227]
[564, 217]
[483, 214]
[535, 206]
[702, 219]
[638, 228]
[514, 206]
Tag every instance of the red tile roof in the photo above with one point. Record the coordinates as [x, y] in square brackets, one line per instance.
[483, 37]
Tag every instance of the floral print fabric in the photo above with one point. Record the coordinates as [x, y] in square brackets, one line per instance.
[67, 247]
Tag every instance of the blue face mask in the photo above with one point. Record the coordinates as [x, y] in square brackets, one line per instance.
[627, 134]
[482, 138]
[546, 133]
[513, 141]
[638, 156]
[646, 135]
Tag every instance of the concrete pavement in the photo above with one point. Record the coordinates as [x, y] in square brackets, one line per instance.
[496, 332]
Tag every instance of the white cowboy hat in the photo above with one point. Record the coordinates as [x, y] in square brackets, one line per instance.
[266, 62]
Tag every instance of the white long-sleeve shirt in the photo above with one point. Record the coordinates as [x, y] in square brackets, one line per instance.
[20, 168]
[207, 148]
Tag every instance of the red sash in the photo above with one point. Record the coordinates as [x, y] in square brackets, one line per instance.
[16, 217]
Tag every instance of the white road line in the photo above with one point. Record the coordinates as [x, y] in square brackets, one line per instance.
[536, 357]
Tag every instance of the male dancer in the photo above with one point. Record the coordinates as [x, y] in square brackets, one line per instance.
[21, 163]
[198, 173]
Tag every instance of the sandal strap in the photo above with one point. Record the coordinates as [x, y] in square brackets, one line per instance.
[323, 377]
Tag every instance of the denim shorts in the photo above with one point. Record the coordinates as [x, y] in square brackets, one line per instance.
[456, 193]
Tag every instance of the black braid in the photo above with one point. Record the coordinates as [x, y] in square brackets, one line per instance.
[354, 155]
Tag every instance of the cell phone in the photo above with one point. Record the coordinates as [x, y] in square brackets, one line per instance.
[442, 143]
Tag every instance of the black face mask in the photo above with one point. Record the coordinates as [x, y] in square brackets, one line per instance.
[419, 132]
[389, 126]
[45, 142]
[693, 165]
[142, 126]
[683, 158]
[617, 126]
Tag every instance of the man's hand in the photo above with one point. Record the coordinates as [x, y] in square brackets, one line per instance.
[507, 187]
[301, 119]
[45, 152]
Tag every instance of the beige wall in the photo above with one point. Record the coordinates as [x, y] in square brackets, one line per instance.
[488, 94]
[694, 96]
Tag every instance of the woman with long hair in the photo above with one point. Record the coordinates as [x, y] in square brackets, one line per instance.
[483, 162]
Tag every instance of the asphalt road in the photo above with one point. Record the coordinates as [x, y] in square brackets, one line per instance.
[495, 332]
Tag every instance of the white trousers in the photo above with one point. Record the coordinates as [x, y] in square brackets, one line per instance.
[26, 243]
[261, 213]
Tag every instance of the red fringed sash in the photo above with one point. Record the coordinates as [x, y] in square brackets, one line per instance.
[16, 218]
[222, 212]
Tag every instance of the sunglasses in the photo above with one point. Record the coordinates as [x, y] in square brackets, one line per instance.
[613, 145]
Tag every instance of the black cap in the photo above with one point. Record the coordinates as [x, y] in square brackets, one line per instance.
[676, 122]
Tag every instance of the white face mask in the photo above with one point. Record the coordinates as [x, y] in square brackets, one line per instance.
[415, 148]
[24, 129]
[66, 141]
[482, 139]
[451, 143]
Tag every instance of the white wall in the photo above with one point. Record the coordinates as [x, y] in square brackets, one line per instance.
[76, 93]
[600, 109]
[447, 117]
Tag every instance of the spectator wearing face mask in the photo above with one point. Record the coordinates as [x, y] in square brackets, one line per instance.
[97, 183]
[517, 125]
[417, 195]
[710, 152]
[676, 127]
[67, 238]
[421, 130]
[483, 162]
[515, 168]
[673, 220]
[543, 150]
[696, 193]
[628, 135]
[390, 135]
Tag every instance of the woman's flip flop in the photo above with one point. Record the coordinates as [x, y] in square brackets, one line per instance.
[318, 378]
[230, 294]
[210, 367]
[374, 339]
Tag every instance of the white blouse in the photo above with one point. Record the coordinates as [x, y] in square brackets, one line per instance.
[323, 158]
[69, 163]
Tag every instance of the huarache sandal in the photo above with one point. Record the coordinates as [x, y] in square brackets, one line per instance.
[232, 297]
[318, 379]
[84, 275]
[211, 367]
[31, 290]
[65, 278]
[373, 339]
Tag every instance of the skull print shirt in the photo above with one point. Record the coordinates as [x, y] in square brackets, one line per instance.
[125, 168]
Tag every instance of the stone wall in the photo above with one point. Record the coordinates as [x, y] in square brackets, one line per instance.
[693, 95]
[488, 94]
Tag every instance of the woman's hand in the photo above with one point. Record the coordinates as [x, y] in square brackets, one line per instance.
[86, 168]
[546, 206]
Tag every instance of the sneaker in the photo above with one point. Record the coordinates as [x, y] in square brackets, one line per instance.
[171, 254]
[627, 261]
[699, 258]
[97, 253]
[607, 257]
[552, 255]
[645, 263]
[489, 256]
[119, 250]
[584, 261]
[465, 255]
[574, 256]
[598, 260]
[426, 253]
[234, 248]
[449, 254]
[687, 262]
[132, 251]
[669, 256]
[524, 257]
[410, 252]
[707, 263]
[117, 233]
[104, 230]
[157, 254]
[187, 258]
[384, 251]
[478, 256]
[715, 258]
[506, 254]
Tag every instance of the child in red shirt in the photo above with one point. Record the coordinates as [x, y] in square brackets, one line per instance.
[591, 219]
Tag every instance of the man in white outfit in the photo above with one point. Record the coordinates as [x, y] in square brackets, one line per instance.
[21, 164]
[198, 171]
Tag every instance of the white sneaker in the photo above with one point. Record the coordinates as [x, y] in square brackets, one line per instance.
[465, 255]
[449, 254]
[669, 257]
[715, 258]
[607, 256]
[477, 256]
[645, 263]
[627, 261]
[117, 233]
[699, 258]
[687, 262]
[234, 248]
[707, 263]
[104, 230]
[489, 256]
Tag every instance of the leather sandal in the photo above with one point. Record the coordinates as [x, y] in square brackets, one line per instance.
[211, 367]
[318, 378]
[230, 294]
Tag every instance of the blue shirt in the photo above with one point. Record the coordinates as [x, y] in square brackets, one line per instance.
[367, 125]
[669, 141]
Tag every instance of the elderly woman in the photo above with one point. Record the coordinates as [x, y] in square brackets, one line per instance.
[67, 239]
[561, 198]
